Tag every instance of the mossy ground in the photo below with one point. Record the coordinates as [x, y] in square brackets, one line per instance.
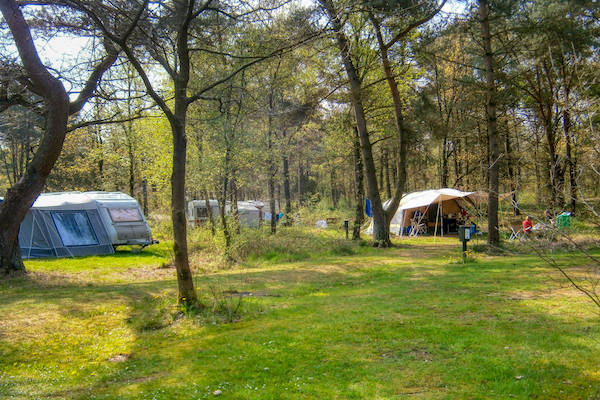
[350, 322]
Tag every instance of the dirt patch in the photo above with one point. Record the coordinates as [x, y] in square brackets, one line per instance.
[121, 357]
[235, 293]
[149, 272]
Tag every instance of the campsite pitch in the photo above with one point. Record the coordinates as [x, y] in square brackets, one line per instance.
[407, 322]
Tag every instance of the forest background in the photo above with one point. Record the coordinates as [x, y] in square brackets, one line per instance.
[272, 114]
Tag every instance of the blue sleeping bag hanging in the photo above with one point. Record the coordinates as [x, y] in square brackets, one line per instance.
[368, 210]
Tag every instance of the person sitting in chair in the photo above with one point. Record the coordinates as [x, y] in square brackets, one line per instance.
[527, 226]
[548, 216]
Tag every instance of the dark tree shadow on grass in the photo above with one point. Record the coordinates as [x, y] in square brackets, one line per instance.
[437, 330]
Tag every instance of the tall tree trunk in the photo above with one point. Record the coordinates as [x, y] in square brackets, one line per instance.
[187, 294]
[455, 151]
[570, 161]
[145, 196]
[359, 195]
[271, 188]
[511, 173]
[538, 173]
[234, 204]
[131, 157]
[334, 194]
[518, 164]
[555, 170]
[209, 211]
[223, 198]
[300, 185]
[381, 234]
[444, 172]
[271, 149]
[386, 165]
[466, 170]
[493, 232]
[222, 214]
[401, 129]
[394, 168]
[271, 171]
[129, 139]
[286, 189]
[381, 180]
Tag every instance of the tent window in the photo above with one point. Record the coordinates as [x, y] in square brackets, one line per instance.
[74, 228]
[125, 214]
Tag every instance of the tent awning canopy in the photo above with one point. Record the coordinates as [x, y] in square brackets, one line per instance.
[452, 201]
[432, 196]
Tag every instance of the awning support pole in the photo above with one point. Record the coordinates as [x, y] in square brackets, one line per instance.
[442, 215]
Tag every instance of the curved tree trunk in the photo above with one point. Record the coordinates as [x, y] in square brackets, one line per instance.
[401, 129]
[381, 234]
[23, 193]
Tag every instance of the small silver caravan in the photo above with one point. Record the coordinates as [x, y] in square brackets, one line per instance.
[122, 218]
[198, 212]
[250, 212]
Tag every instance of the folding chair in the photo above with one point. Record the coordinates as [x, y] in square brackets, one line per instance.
[516, 230]
[417, 225]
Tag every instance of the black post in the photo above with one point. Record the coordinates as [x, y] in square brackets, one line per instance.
[464, 235]
[145, 196]
[346, 225]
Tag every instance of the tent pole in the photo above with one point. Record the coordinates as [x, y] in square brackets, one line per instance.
[441, 216]
[401, 225]
[436, 221]
[31, 238]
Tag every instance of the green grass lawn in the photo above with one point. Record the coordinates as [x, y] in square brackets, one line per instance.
[407, 322]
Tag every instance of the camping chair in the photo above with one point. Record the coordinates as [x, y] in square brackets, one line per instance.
[516, 230]
[417, 225]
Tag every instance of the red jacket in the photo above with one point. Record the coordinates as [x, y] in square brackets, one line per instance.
[527, 225]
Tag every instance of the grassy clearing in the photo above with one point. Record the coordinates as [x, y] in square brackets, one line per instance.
[406, 322]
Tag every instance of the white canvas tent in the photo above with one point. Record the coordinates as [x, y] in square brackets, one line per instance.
[432, 208]
[250, 213]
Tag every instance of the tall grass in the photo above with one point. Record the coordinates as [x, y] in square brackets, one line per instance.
[294, 243]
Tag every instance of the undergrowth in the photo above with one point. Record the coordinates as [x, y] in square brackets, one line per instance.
[295, 243]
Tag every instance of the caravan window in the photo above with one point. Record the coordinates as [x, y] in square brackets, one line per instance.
[125, 214]
[201, 212]
[74, 228]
